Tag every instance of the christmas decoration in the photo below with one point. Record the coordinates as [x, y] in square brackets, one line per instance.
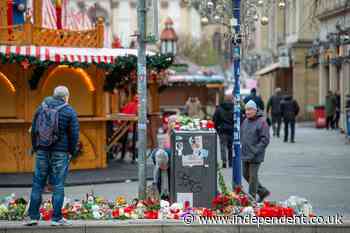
[116, 44]
[118, 73]
[188, 124]
[25, 64]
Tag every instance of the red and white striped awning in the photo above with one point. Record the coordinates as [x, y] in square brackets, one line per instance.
[62, 54]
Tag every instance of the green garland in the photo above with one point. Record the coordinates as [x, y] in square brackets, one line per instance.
[223, 188]
[119, 72]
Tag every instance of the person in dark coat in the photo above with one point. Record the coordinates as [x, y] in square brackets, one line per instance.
[290, 109]
[257, 99]
[274, 104]
[223, 119]
[330, 109]
[337, 110]
[255, 137]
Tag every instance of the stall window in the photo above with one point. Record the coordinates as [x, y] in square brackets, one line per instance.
[79, 84]
[7, 97]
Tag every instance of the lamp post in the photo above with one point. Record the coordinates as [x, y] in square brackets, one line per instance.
[142, 92]
[236, 42]
[240, 23]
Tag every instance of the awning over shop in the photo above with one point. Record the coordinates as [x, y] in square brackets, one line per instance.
[61, 54]
[268, 69]
[196, 79]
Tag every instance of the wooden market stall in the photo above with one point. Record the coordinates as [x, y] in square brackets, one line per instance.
[179, 88]
[33, 61]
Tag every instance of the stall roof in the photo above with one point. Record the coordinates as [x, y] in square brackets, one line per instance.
[268, 69]
[196, 79]
[61, 54]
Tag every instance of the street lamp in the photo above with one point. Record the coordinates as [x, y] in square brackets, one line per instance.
[205, 20]
[210, 4]
[264, 20]
[282, 4]
[168, 38]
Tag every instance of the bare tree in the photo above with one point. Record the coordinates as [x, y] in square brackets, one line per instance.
[200, 52]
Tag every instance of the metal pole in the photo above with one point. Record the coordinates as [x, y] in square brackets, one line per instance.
[142, 93]
[236, 166]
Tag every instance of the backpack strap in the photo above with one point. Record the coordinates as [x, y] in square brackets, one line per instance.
[44, 105]
[58, 108]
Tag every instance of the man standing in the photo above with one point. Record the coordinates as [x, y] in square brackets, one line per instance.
[223, 119]
[255, 137]
[337, 110]
[330, 109]
[257, 99]
[55, 137]
[274, 104]
[290, 109]
[193, 107]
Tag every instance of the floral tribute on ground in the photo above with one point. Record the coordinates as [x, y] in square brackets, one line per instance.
[92, 207]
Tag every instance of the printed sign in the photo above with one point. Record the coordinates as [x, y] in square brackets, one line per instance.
[179, 146]
[198, 153]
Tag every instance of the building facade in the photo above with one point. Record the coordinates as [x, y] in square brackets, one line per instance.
[331, 50]
[288, 36]
[124, 19]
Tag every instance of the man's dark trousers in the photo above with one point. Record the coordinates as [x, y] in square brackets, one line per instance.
[287, 124]
[226, 141]
[250, 174]
[276, 119]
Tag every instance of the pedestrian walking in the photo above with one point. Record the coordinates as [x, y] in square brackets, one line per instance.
[257, 99]
[337, 110]
[223, 119]
[290, 110]
[55, 137]
[274, 105]
[255, 137]
[330, 109]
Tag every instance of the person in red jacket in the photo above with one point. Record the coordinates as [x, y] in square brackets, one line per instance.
[132, 109]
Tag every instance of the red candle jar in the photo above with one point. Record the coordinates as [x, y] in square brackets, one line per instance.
[186, 205]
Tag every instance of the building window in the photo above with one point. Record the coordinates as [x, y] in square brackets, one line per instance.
[164, 4]
[133, 4]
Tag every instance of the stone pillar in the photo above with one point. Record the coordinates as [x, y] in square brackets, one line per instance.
[114, 17]
[323, 79]
[299, 80]
[347, 80]
[344, 74]
[333, 75]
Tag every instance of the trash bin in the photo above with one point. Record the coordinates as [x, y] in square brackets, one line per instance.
[193, 167]
[320, 116]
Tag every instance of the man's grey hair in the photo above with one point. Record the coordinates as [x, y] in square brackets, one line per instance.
[278, 90]
[61, 92]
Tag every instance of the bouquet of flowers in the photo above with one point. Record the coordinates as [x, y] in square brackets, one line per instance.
[12, 208]
[93, 207]
[188, 123]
